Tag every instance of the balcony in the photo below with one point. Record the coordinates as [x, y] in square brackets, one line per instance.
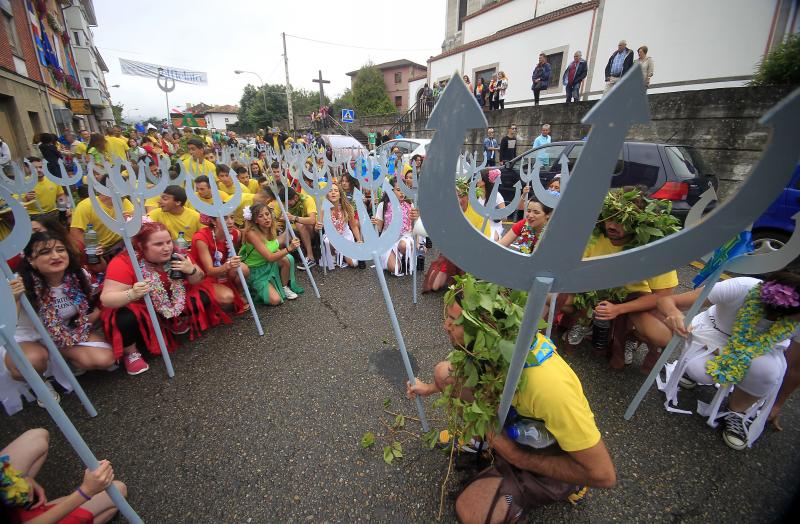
[95, 96]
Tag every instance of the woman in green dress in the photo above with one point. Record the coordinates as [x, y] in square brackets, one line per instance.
[271, 267]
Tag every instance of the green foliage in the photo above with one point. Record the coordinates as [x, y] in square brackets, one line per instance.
[395, 450]
[588, 300]
[399, 422]
[781, 66]
[116, 109]
[252, 112]
[491, 316]
[369, 93]
[304, 101]
[431, 438]
[645, 218]
[387, 402]
[344, 101]
[367, 440]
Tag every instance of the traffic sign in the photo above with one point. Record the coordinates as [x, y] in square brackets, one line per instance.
[348, 116]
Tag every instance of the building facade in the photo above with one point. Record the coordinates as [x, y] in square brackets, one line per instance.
[39, 75]
[220, 117]
[396, 77]
[694, 45]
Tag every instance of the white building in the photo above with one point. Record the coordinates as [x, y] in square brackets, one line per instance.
[695, 44]
[220, 117]
[80, 17]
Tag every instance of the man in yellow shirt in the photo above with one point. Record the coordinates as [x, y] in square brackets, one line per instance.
[116, 144]
[195, 162]
[172, 213]
[84, 214]
[202, 187]
[226, 181]
[550, 393]
[243, 176]
[45, 195]
[302, 213]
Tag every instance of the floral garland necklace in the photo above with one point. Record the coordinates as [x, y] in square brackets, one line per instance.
[528, 238]
[61, 332]
[746, 343]
[166, 306]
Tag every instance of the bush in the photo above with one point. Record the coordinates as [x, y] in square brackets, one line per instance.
[781, 66]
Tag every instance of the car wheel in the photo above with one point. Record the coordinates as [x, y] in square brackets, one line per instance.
[767, 241]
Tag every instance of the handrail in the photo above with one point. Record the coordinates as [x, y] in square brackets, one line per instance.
[421, 110]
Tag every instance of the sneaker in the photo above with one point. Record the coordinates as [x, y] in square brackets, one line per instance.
[291, 295]
[474, 446]
[113, 367]
[630, 349]
[686, 383]
[428, 242]
[179, 325]
[577, 333]
[53, 393]
[734, 434]
[310, 263]
[135, 364]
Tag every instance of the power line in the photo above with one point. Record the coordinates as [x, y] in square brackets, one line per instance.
[353, 46]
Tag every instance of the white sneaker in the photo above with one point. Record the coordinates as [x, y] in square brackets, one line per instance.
[291, 295]
[53, 393]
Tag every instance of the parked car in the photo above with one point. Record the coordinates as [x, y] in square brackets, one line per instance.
[773, 228]
[671, 172]
[343, 144]
[408, 147]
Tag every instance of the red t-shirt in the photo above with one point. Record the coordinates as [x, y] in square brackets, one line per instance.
[218, 249]
[121, 270]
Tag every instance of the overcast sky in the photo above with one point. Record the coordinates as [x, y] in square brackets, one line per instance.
[223, 35]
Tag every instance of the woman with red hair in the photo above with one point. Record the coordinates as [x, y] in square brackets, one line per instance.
[183, 300]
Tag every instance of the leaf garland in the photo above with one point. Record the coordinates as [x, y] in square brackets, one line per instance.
[645, 218]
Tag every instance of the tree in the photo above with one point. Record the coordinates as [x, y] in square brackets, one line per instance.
[369, 93]
[345, 101]
[252, 113]
[117, 110]
[304, 102]
[781, 66]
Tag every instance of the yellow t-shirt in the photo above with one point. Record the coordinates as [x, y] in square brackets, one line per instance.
[551, 392]
[117, 147]
[277, 215]
[238, 213]
[154, 201]
[253, 186]
[187, 222]
[207, 168]
[477, 221]
[231, 189]
[84, 214]
[225, 197]
[78, 149]
[601, 245]
[47, 192]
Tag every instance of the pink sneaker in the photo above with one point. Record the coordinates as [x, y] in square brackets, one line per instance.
[135, 364]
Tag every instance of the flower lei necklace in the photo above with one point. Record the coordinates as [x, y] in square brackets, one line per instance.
[528, 238]
[746, 343]
[60, 331]
[167, 307]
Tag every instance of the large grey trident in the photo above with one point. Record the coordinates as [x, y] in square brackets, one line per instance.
[557, 263]
[372, 247]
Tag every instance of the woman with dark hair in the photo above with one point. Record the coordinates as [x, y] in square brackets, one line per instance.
[50, 153]
[527, 232]
[486, 184]
[739, 340]
[64, 298]
[183, 302]
[210, 250]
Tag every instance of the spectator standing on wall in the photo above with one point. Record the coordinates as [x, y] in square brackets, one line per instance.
[490, 148]
[540, 77]
[492, 89]
[544, 138]
[500, 91]
[427, 96]
[508, 145]
[468, 83]
[480, 92]
[646, 63]
[618, 64]
[574, 75]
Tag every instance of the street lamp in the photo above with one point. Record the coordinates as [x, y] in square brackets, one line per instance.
[263, 87]
[115, 85]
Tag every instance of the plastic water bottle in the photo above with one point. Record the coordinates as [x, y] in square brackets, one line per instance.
[90, 244]
[530, 432]
[181, 248]
[601, 334]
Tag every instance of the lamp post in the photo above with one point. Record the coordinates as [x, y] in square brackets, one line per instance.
[263, 88]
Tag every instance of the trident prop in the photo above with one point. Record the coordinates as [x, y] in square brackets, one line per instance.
[21, 184]
[64, 179]
[127, 229]
[372, 246]
[490, 209]
[8, 322]
[316, 190]
[10, 246]
[411, 194]
[557, 263]
[217, 208]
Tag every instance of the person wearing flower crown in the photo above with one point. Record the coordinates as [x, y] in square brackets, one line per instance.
[210, 249]
[271, 267]
[183, 301]
[739, 340]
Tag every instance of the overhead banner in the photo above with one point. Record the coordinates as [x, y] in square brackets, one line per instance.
[134, 68]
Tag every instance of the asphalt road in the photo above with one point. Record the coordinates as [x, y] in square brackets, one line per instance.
[267, 429]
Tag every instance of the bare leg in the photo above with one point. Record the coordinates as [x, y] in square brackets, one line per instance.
[101, 505]
[439, 281]
[274, 296]
[791, 380]
[473, 505]
[654, 332]
[224, 296]
[35, 353]
[304, 232]
[285, 269]
[88, 357]
[740, 401]
[29, 451]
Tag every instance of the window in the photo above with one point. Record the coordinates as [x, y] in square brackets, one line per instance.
[548, 157]
[398, 101]
[555, 60]
[77, 37]
[486, 74]
[575, 154]
[11, 31]
[462, 12]
[226, 120]
[398, 77]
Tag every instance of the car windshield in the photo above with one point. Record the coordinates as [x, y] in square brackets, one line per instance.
[547, 156]
[686, 162]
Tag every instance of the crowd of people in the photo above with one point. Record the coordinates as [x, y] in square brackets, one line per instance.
[84, 287]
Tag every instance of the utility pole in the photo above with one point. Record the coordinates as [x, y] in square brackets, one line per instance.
[288, 85]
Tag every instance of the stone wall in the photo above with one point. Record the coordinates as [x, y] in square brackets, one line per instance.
[721, 123]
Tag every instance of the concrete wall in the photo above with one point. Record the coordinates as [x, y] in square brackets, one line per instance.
[500, 17]
[721, 123]
[217, 120]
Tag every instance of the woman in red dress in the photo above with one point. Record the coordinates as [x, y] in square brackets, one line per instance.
[186, 304]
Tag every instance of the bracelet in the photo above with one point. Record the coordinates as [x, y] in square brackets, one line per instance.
[128, 295]
[84, 495]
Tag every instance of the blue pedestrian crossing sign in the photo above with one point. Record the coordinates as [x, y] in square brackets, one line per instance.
[348, 116]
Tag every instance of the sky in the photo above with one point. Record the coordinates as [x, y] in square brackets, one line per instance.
[219, 37]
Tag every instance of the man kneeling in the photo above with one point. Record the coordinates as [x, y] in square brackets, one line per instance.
[522, 477]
